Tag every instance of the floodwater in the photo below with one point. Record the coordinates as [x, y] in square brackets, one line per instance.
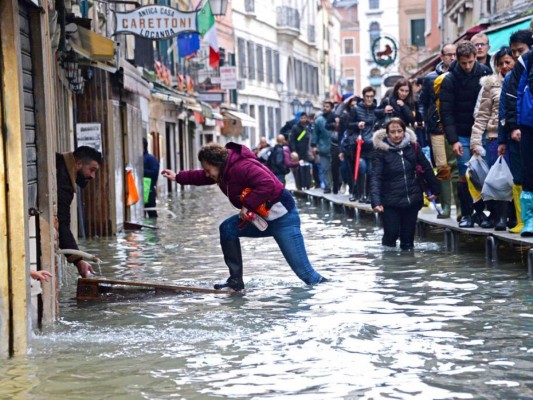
[428, 325]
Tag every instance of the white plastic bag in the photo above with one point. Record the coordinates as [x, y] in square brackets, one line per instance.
[499, 182]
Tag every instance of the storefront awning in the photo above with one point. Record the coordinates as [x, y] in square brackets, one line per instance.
[98, 50]
[245, 119]
[499, 35]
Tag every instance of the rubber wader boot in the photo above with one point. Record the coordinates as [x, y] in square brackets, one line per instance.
[455, 193]
[517, 190]
[500, 208]
[445, 199]
[233, 258]
[465, 200]
[526, 204]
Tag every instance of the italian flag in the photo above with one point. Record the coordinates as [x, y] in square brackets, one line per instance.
[208, 32]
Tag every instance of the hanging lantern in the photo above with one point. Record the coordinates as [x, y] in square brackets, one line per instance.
[218, 7]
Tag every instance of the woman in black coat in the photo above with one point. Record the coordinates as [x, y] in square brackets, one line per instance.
[400, 104]
[395, 189]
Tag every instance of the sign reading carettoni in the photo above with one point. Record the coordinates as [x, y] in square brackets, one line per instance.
[156, 22]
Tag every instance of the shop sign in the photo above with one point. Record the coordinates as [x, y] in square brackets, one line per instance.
[228, 78]
[156, 22]
[89, 134]
[384, 51]
[211, 97]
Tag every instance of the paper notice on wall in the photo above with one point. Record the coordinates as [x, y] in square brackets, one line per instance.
[89, 134]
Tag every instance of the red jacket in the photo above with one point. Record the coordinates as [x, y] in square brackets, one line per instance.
[242, 171]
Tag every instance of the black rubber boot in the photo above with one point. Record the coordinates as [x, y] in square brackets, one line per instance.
[466, 205]
[233, 258]
[501, 208]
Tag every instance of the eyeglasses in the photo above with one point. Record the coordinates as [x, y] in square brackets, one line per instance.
[480, 44]
[449, 54]
[369, 96]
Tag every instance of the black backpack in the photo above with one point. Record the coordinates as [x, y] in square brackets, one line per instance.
[276, 161]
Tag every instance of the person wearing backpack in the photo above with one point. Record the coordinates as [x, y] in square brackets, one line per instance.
[279, 161]
[519, 122]
[300, 143]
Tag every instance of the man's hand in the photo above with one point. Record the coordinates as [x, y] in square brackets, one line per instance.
[41, 276]
[388, 109]
[169, 174]
[502, 148]
[458, 149]
[361, 125]
[378, 208]
[85, 269]
[474, 151]
[341, 156]
[516, 135]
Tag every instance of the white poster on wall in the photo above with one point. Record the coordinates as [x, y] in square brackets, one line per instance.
[89, 134]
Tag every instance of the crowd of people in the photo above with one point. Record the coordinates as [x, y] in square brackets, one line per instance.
[421, 138]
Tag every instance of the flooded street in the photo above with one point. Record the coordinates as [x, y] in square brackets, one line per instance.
[428, 325]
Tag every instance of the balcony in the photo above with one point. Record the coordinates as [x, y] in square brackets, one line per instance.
[288, 21]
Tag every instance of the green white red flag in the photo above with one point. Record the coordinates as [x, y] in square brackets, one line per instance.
[208, 32]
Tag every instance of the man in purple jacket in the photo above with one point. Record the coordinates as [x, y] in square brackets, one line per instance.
[250, 186]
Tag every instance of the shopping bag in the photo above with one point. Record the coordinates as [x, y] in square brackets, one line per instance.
[147, 186]
[499, 182]
[478, 168]
[132, 195]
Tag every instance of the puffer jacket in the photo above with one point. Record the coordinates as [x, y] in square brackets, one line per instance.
[458, 97]
[427, 106]
[393, 180]
[487, 115]
[243, 170]
[406, 112]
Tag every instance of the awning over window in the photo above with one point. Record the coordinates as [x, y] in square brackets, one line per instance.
[98, 50]
[245, 119]
[499, 35]
[133, 80]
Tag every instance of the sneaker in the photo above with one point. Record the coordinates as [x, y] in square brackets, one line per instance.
[466, 222]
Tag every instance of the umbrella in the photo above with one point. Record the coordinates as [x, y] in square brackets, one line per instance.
[357, 157]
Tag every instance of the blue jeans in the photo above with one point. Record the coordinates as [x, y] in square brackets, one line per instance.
[287, 234]
[461, 161]
[325, 162]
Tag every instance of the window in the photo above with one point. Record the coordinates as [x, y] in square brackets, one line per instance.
[251, 60]
[262, 126]
[418, 37]
[278, 119]
[246, 130]
[373, 4]
[374, 31]
[271, 121]
[260, 64]
[349, 85]
[276, 67]
[269, 74]
[242, 58]
[348, 46]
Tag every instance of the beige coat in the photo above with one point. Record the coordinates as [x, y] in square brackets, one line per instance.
[487, 116]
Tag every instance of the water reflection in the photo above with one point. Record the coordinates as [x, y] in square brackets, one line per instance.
[427, 325]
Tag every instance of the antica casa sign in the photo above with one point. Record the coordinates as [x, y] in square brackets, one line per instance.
[156, 22]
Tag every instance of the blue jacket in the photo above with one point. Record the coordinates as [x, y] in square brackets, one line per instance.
[322, 136]
[515, 91]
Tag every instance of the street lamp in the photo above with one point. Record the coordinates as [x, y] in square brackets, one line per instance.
[308, 107]
[218, 7]
[295, 106]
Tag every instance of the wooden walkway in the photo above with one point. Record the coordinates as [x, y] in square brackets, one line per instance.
[428, 217]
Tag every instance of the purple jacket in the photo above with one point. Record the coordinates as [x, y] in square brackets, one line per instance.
[242, 171]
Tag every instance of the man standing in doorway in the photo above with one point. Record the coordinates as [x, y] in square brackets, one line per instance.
[151, 174]
[73, 170]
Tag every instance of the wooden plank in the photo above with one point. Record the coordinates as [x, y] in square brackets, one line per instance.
[134, 226]
[92, 288]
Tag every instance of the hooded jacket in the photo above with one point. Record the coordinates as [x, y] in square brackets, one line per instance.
[458, 97]
[300, 142]
[242, 171]
[487, 115]
[393, 181]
